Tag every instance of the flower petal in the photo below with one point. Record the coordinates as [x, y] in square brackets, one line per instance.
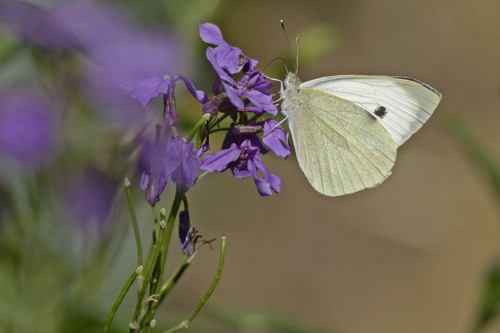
[220, 161]
[263, 101]
[275, 138]
[146, 89]
[200, 95]
[188, 168]
[228, 57]
[172, 157]
[211, 34]
[211, 55]
[233, 95]
[268, 182]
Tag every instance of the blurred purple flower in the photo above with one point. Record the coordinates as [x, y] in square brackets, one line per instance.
[36, 26]
[181, 161]
[27, 127]
[89, 195]
[117, 54]
[174, 158]
[187, 234]
[153, 178]
[244, 161]
[146, 89]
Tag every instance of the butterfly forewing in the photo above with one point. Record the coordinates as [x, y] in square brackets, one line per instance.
[340, 147]
[407, 103]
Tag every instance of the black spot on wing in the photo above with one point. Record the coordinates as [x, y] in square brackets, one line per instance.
[380, 111]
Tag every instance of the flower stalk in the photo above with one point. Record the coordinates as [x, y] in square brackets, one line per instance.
[120, 297]
[185, 323]
[134, 221]
[241, 105]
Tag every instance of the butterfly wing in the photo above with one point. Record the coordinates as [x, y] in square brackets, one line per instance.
[401, 104]
[339, 146]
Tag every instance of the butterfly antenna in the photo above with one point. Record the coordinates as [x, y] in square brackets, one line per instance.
[275, 59]
[282, 22]
[297, 57]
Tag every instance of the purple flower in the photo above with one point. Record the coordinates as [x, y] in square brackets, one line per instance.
[89, 196]
[229, 58]
[181, 161]
[117, 53]
[244, 161]
[240, 90]
[36, 25]
[253, 87]
[275, 138]
[172, 158]
[153, 178]
[228, 61]
[146, 89]
[27, 128]
[187, 234]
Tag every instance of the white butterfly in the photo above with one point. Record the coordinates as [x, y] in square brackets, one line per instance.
[346, 129]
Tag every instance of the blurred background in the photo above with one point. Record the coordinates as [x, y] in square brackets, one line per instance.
[417, 254]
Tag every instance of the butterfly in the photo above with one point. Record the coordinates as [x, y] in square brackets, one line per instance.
[346, 129]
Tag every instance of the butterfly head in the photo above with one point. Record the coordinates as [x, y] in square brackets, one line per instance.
[290, 84]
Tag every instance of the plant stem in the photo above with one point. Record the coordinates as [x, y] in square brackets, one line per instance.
[157, 262]
[185, 323]
[155, 222]
[174, 210]
[120, 297]
[167, 286]
[134, 221]
[149, 272]
[198, 125]
[165, 289]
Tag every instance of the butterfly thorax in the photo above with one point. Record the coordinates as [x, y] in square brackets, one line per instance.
[289, 94]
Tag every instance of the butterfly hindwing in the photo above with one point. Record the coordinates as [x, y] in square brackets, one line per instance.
[340, 147]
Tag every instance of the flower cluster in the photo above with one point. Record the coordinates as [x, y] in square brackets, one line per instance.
[242, 148]
[240, 92]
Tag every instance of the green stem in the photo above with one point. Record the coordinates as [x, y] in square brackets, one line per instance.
[149, 272]
[185, 323]
[174, 210]
[160, 251]
[170, 283]
[203, 174]
[218, 121]
[198, 125]
[120, 297]
[166, 287]
[185, 202]
[134, 221]
[156, 278]
[155, 223]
